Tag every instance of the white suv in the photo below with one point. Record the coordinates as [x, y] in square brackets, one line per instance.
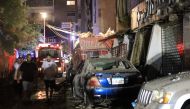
[171, 92]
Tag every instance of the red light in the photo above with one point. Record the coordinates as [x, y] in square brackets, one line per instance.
[104, 52]
[180, 48]
[93, 82]
[52, 46]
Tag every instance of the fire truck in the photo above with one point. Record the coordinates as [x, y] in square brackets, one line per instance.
[54, 50]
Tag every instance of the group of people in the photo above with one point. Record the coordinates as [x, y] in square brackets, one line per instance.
[26, 75]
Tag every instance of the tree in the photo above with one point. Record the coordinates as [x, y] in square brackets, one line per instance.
[16, 31]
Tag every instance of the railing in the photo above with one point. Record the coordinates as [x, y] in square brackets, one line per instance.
[119, 51]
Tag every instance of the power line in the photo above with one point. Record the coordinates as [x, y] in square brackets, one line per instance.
[58, 34]
[61, 30]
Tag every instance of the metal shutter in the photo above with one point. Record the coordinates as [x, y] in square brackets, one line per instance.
[171, 58]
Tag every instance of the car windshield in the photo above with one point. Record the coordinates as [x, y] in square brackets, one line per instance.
[51, 51]
[110, 64]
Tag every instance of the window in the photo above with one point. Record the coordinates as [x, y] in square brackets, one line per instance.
[71, 14]
[53, 52]
[69, 2]
[49, 2]
[110, 64]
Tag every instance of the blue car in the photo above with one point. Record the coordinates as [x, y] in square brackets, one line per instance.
[106, 79]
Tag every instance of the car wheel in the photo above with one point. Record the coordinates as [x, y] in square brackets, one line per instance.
[187, 106]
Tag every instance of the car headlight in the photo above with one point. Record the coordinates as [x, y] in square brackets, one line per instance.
[161, 96]
[39, 69]
[59, 68]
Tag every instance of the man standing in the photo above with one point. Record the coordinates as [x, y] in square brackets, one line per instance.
[49, 69]
[18, 77]
[29, 72]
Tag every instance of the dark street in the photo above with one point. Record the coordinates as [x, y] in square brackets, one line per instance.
[94, 54]
[61, 98]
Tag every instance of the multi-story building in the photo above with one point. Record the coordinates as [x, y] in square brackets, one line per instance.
[84, 15]
[65, 17]
[96, 15]
[65, 11]
[59, 13]
[36, 7]
[162, 40]
[104, 15]
[100, 15]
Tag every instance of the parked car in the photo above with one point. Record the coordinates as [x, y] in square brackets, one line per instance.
[171, 92]
[105, 79]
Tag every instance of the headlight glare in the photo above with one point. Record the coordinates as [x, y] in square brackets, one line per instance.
[39, 69]
[59, 68]
[161, 97]
[157, 95]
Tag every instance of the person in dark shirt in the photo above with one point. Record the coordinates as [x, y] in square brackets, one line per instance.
[29, 70]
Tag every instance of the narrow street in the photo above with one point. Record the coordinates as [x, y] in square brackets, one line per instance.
[62, 99]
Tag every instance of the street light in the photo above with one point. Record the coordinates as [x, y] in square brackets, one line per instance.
[44, 16]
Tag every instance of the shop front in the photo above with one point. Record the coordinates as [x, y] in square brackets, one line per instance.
[163, 52]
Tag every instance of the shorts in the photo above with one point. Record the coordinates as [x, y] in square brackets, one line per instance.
[27, 85]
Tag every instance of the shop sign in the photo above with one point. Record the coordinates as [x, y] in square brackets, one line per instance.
[66, 25]
[149, 11]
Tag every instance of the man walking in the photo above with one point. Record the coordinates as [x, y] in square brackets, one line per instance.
[29, 70]
[49, 69]
[18, 77]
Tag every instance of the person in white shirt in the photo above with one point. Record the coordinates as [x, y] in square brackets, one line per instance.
[18, 77]
[49, 69]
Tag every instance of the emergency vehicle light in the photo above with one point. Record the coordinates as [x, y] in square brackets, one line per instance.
[44, 45]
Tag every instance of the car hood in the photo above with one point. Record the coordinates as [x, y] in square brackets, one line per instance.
[167, 81]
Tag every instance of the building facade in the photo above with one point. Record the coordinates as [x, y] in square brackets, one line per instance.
[36, 7]
[161, 35]
[96, 15]
[65, 11]
[104, 15]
